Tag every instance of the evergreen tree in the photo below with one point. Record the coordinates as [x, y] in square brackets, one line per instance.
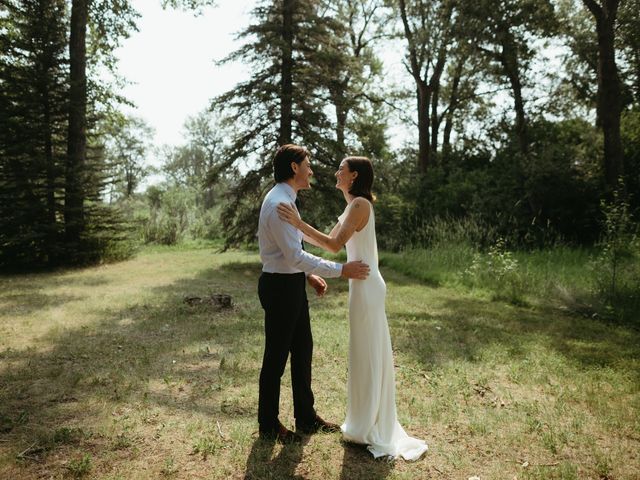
[33, 71]
[52, 169]
[283, 102]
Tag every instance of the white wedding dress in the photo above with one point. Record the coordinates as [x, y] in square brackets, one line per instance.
[371, 404]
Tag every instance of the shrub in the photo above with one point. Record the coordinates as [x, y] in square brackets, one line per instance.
[617, 267]
[498, 270]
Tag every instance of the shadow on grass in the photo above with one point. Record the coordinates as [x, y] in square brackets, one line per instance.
[178, 357]
[359, 464]
[142, 355]
[260, 465]
[28, 303]
[464, 328]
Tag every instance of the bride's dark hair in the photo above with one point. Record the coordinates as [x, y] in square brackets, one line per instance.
[363, 182]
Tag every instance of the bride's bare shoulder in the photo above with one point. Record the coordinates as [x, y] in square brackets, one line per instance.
[360, 203]
[359, 212]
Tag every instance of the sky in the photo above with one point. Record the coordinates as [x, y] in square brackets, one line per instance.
[170, 62]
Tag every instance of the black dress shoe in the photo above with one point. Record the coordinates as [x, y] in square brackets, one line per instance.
[318, 425]
[281, 434]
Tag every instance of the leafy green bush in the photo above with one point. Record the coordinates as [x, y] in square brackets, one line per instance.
[499, 271]
[171, 215]
[617, 267]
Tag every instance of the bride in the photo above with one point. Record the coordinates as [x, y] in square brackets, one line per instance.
[371, 407]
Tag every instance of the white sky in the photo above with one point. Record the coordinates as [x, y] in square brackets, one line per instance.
[171, 62]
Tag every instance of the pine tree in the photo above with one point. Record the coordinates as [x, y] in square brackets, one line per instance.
[53, 170]
[283, 102]
[33, 119]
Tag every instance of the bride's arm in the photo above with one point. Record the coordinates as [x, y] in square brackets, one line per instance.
[357, 216]
[312, 241]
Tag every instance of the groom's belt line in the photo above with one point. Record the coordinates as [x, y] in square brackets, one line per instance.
[282, 274]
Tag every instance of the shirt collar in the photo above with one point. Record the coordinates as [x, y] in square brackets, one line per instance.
[288, 190]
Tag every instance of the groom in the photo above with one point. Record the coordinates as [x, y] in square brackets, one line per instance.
[281, 288]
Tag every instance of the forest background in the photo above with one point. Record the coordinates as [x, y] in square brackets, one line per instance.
[519, 124]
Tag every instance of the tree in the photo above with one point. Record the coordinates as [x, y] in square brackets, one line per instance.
[503, 31]
[192, 5]
[629, 41]
[428, 31]
[127, 142]
[77, 137]
[198, 163]
[579, 85]
[282, 102]
[33, 74]
[52, 168]
[354, 68]
[460, 92]
[609, 101]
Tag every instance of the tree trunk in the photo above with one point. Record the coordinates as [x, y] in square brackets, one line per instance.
[609, 102]
[341, 124]
[434, 85]
[435, 122]
[77, 139]
[453, 104]
[51, 177]
[509, 61]
[424, 149]
[286, 85]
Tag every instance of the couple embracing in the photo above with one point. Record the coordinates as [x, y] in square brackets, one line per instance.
[371, 411]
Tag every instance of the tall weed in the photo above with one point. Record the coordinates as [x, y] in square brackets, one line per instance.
[499, 271]
[616, 270]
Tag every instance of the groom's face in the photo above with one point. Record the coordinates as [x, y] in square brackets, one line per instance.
[302, 173]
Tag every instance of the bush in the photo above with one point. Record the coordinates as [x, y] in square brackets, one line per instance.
[499, 271]
[617, 267]
[172, 215]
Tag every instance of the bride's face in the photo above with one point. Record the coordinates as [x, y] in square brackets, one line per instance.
[344, 177]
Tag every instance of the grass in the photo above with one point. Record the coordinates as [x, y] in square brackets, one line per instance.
[106, 373]
[560, 277]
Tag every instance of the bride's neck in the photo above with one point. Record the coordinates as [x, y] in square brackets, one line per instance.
[348, 197]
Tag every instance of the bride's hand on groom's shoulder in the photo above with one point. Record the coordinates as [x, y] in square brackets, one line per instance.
[288, 213]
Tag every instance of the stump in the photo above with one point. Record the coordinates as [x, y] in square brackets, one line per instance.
[219, 300]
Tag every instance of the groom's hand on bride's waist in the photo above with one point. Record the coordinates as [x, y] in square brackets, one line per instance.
[356, 270]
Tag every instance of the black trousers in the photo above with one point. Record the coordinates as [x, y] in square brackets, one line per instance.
[287, 330]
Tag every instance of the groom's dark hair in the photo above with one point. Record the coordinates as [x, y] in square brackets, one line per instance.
[286, 154]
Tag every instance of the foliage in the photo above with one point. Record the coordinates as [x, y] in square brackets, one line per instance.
[40, 188]
[312, 66]
[630, 132]
[617, 267]
[126, 143]
[172, 214]
[33, 100]
[80, 467]
[500, 269]
[550, 195]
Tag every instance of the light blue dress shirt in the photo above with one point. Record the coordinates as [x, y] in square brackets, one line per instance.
[281, 243]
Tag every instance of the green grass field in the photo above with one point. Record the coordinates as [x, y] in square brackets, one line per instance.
[106, 373]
